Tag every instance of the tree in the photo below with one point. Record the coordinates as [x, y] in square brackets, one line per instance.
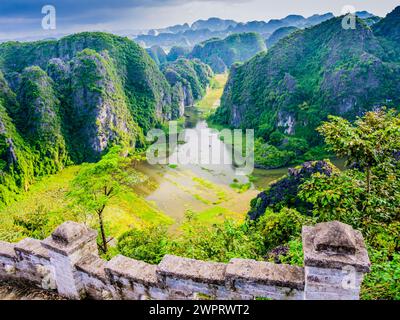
[368, 194]
[97, 183]
[373, 139]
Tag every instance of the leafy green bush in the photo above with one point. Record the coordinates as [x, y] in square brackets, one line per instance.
[294, 255]
[297, 145]
[149, 244]
[220, 242]
[276, 138]
[277, 228]
[271, 157]
[382, 283]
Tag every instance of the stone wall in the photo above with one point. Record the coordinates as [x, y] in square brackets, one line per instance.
[67, 262]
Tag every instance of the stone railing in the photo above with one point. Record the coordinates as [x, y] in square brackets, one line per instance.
[335, 260]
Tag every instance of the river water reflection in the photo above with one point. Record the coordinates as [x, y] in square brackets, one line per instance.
[208, 188]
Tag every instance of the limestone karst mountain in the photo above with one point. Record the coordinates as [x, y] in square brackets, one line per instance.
[312, 73]
[157, 54]
[68, 101]
[279, 34]
[389, 27]
[189, 80]
[221, 54]
[202, 30]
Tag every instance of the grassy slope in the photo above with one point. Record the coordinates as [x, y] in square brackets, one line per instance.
[48, 197]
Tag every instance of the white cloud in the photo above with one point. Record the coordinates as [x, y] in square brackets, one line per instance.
[114, 15]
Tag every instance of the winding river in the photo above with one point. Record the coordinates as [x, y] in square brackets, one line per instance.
[211, 190]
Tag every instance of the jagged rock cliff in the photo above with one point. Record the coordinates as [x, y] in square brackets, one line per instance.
[283, 193]
[99, 108]
[68, 101]
[313, 73]
[146, 87]
[16, 158]
[177, 52]
[39, 120]
[157, 54]
[189, 79]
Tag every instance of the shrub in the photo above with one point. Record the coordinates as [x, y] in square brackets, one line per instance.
[277, 228]
[149, 244]
[271, 157]
[382, 283]
[219, 242]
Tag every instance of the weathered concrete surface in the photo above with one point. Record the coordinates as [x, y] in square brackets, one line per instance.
[135, 270]
[336, 237]
[347, 248]
[93, 266]
[266, 273]
[335, 260]
[190, 269]
[69, 237]
[31, 247]
[70, 244]
[7, 250]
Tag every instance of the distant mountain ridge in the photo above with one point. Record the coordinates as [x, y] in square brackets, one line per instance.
[279, 34]
[219, 54]
[389, 27]
[202, 30]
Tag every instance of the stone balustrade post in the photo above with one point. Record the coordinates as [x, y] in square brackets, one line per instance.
[335, 261]
[69, 244]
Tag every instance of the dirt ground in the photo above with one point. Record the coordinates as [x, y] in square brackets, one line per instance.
[16, 291]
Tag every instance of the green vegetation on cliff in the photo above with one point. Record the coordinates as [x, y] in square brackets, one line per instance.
[189, 79]
[193, 73]
[389, 27]
[279, 34]
[99, 107]
[177, 52]
[157, 54]
[70, 100]
[286, 92]
[220, 54]
[16, 158]
[39, 121]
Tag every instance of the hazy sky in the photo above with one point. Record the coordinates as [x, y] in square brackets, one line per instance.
[23, 18]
